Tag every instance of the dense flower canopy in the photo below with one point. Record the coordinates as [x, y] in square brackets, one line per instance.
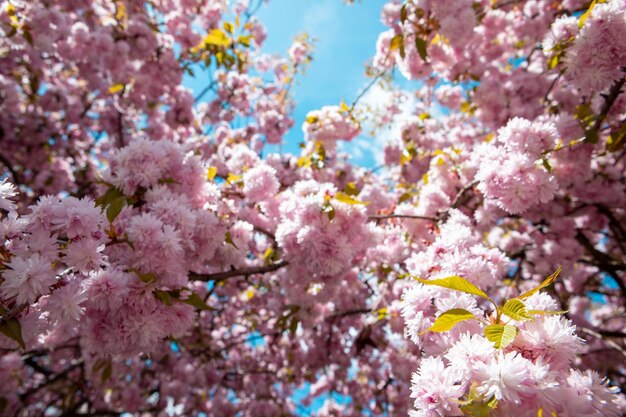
[155, 259]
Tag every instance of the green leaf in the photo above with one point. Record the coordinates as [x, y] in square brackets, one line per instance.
[457, 283]
[591, 136]
[345, 198]
[421, 44]
[110, 195]
[107, 372]
[501, 335]
[13, 330]
[168, 181]
[449, 319]
[403, 13]
[99, 364]
[546, 282]
[293, 325]
[329, 210]
[350, 189]
[115, 207]
[148, 278]
[194, 300]
[28, 36]
[163, 296]
[515, 309]
[229, 239]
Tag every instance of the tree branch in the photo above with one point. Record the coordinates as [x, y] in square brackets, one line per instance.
[401, 216]
[245, 272]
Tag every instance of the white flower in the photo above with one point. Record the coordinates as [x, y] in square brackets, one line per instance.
[506, 377]
[7, 191]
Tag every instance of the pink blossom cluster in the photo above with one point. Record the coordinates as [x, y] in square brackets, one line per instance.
[510, 170]
[329, 124]
[318, 233]
[156, 258]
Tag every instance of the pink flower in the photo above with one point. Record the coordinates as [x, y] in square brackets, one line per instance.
[27, 279]
[65, 304]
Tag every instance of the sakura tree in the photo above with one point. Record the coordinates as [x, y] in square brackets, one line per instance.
[157, 260]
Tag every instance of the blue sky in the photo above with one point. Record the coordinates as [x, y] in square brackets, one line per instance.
[346, 40]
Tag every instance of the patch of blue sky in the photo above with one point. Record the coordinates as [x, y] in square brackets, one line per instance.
[345, 41]
[318, 402]
[256, 339]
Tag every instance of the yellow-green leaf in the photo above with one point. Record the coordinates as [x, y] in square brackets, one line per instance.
[329, 210]
[229, 239]
[546, 282]
[233, 178]
[395, 43]
[229, 27]
[501, 335]
[350, 189]
[479, 409]
[116, 88]
[449, 319]
[244, 40]
[217, 37]
[211, 173]
[585, 16]
[457, 283]
[345, 198]
[617, 139]
[195, 301]
[515, 309]
[547, 312]
[312, 119]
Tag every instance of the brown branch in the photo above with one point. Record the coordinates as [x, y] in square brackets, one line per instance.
[245, 272]
[609, 100]
[457, 200]
[12, 313]
[609, 342]
[350, 313]
[401, 216]
[603, 261]
[54, 379]
[443, 216]
[16, 178]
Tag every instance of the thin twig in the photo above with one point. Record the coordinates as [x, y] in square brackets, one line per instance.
[607, 341]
